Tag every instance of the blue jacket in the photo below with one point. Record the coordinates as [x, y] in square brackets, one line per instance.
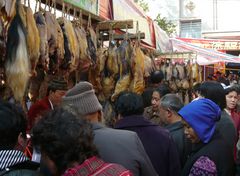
[157, 143]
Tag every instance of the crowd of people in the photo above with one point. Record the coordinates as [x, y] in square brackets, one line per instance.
[153, 134]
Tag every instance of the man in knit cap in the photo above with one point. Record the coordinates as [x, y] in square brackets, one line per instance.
[56, 89]
[115, 146]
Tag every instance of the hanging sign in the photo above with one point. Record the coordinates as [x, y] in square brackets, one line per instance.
[88, 5]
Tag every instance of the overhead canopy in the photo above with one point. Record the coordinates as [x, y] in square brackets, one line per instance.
[204, 56]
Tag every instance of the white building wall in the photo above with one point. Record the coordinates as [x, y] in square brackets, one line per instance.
[216, 15]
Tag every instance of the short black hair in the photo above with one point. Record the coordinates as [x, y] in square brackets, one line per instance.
[156, 77]
[129, 103]
[12, 122]
[214, 91]
[230, 89]
[163, 89]
[64, 138]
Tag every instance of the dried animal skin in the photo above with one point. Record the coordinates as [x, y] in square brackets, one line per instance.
[93, 36]
[185, 84]
[195, 72]
[112, 62]
[181, 73]
[17, 62]
[33, 38]
[42, 28]
[122, 85]
[108, 86]
[9, 7]
[169, 72]
[70, 43]
[148, 66]
[139, 59]
[137, 84]
[51, 32]
[124, 54]
[84, 44]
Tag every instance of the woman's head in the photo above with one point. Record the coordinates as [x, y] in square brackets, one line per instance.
[199, 118]
[157, 94]
[231, 94]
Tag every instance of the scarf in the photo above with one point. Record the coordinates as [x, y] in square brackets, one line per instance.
[10, 158]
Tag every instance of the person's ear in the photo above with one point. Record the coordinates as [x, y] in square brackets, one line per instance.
[169, 113]
[100, 116]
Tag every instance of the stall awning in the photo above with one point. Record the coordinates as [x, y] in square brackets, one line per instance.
[204, 56]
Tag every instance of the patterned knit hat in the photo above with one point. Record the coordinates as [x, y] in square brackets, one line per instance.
[201, 115]
[82, 97]
[58, 84]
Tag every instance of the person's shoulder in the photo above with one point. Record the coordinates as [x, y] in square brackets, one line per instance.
[27, 168]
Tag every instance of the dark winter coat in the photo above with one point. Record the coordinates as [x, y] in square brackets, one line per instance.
[157, 143]
[216, 150]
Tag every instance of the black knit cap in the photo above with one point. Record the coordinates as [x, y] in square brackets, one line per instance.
[58, 84]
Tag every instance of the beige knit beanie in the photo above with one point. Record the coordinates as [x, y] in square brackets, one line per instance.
[82, 97]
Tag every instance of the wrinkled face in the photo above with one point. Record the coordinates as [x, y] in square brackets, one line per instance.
[190, 133]
[231, 99]
[56, 97]
[155, 100]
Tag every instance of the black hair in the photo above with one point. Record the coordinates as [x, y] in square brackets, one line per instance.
[129, 103]
[230, 89]
[12, 123]
[156, 77]
[64, 138]
[171, 101]
[163, 89]
[214, 91]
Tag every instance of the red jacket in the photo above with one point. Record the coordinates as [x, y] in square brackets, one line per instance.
[37, 110]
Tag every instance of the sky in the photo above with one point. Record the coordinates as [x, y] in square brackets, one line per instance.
[154, 6]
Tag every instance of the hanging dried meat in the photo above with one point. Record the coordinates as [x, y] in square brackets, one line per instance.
[17, 64]
[124, 55]
[112, 62]
[70, 43]
[33, 38]
[55, 42]
[2, 41]
[137, 83]
[96, 73]
[91, 49]
[42, 28]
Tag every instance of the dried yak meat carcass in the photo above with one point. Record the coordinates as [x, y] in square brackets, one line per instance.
[33, 38]
[42, 28]
[137, 84]
[71, 55]
[55, 42]
[17, 64]
[124, 55]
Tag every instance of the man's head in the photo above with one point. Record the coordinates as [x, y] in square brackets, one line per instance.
[129, 103]
[169, 106]
[156, 77]
[63, 139]
[214, 91]
[13, 126]
[82, 98]
[56, 89]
